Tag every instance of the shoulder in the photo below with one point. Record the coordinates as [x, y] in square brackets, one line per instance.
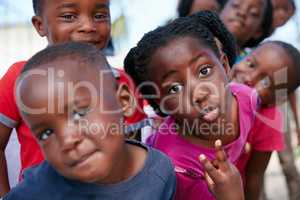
[242, 90]
[157, 164]
[40, 182]
[246, 97]
[14, 70]
[161, 165]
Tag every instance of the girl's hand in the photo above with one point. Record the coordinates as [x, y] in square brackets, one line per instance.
[223, 179]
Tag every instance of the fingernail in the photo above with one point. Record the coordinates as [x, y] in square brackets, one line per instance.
[202, 157]
[218, 143]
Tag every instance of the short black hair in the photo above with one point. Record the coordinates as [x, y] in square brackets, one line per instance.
[204, 26]
[86, 53]
[293, 70]
[185, 6]
[266, 25]
[38, 6]
[293, 4]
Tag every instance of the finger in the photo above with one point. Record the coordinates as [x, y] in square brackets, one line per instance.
[247, 148]
[210, 182]
[209, 168]
[221, 156]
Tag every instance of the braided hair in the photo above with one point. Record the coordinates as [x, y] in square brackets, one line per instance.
[204, 26]
[185, 6]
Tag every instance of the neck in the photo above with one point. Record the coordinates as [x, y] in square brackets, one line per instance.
[130, 161]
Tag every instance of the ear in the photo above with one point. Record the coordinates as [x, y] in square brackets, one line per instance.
[126, 100]
[38, 24]
[225, 63]
[224, 58]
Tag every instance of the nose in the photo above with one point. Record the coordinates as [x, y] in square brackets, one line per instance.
[241, 12]
[87, 25]
[200, 94]
[70, 137]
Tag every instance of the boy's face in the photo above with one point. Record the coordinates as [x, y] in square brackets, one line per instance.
[243, 18]
[282, 11]
[191, 83]
[199, 5]
[78, 132]
[266, 70]
[75, 20]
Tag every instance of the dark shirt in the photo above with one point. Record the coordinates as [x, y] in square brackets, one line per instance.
[155, 181]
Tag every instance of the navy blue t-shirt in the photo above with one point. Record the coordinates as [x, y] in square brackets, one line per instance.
[156, 181]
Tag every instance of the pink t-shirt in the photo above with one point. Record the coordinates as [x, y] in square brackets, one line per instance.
[184, 155]
[265, 136]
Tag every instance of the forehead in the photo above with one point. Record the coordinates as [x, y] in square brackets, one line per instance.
[178, 54]
[205, 4]
[254, 3]
[280, 3]
[79, 4]
[63, 78]
[271, 56]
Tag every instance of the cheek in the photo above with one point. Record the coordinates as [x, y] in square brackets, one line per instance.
[105, 31]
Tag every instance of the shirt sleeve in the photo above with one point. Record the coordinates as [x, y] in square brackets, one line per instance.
[9, 114]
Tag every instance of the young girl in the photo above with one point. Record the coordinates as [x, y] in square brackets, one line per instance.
[250, 21]
[182, 71]
[271, 68]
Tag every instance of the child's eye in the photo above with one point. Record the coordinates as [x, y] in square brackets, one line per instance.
[68, 17]
[250, 64]
[44, 135]
[175, 88]
[254, 13]
[235, 4]
[101, 16]
[78, 114]
[205, 71]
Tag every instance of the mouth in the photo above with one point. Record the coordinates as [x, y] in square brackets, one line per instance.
[93, 42]
[210, 113]
[83, 159]
[237, 23]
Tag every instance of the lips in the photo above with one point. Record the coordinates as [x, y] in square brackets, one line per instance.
[237, 23]
[210, 113]
[82, 159]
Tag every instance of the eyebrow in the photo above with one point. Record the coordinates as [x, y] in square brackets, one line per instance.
[194, 59]
[74, 5]
[36, 127]
[102, 5]
[168, 74]
[67, 5]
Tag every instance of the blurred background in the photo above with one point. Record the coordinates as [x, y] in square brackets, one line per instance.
[130, 20]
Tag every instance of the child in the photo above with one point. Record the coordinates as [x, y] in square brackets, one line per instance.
[283, 10]
[79, 125]
[249, 21]
[188, 7]
[182, 71]
[271, 68]
[58, 21]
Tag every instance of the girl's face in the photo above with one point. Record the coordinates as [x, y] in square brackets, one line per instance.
[266, 70]
[199, 5]
[243, 18]
[191, 81]
[282, 11]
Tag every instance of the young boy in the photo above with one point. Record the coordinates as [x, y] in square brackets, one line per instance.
[59, 21]
[78, 122]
